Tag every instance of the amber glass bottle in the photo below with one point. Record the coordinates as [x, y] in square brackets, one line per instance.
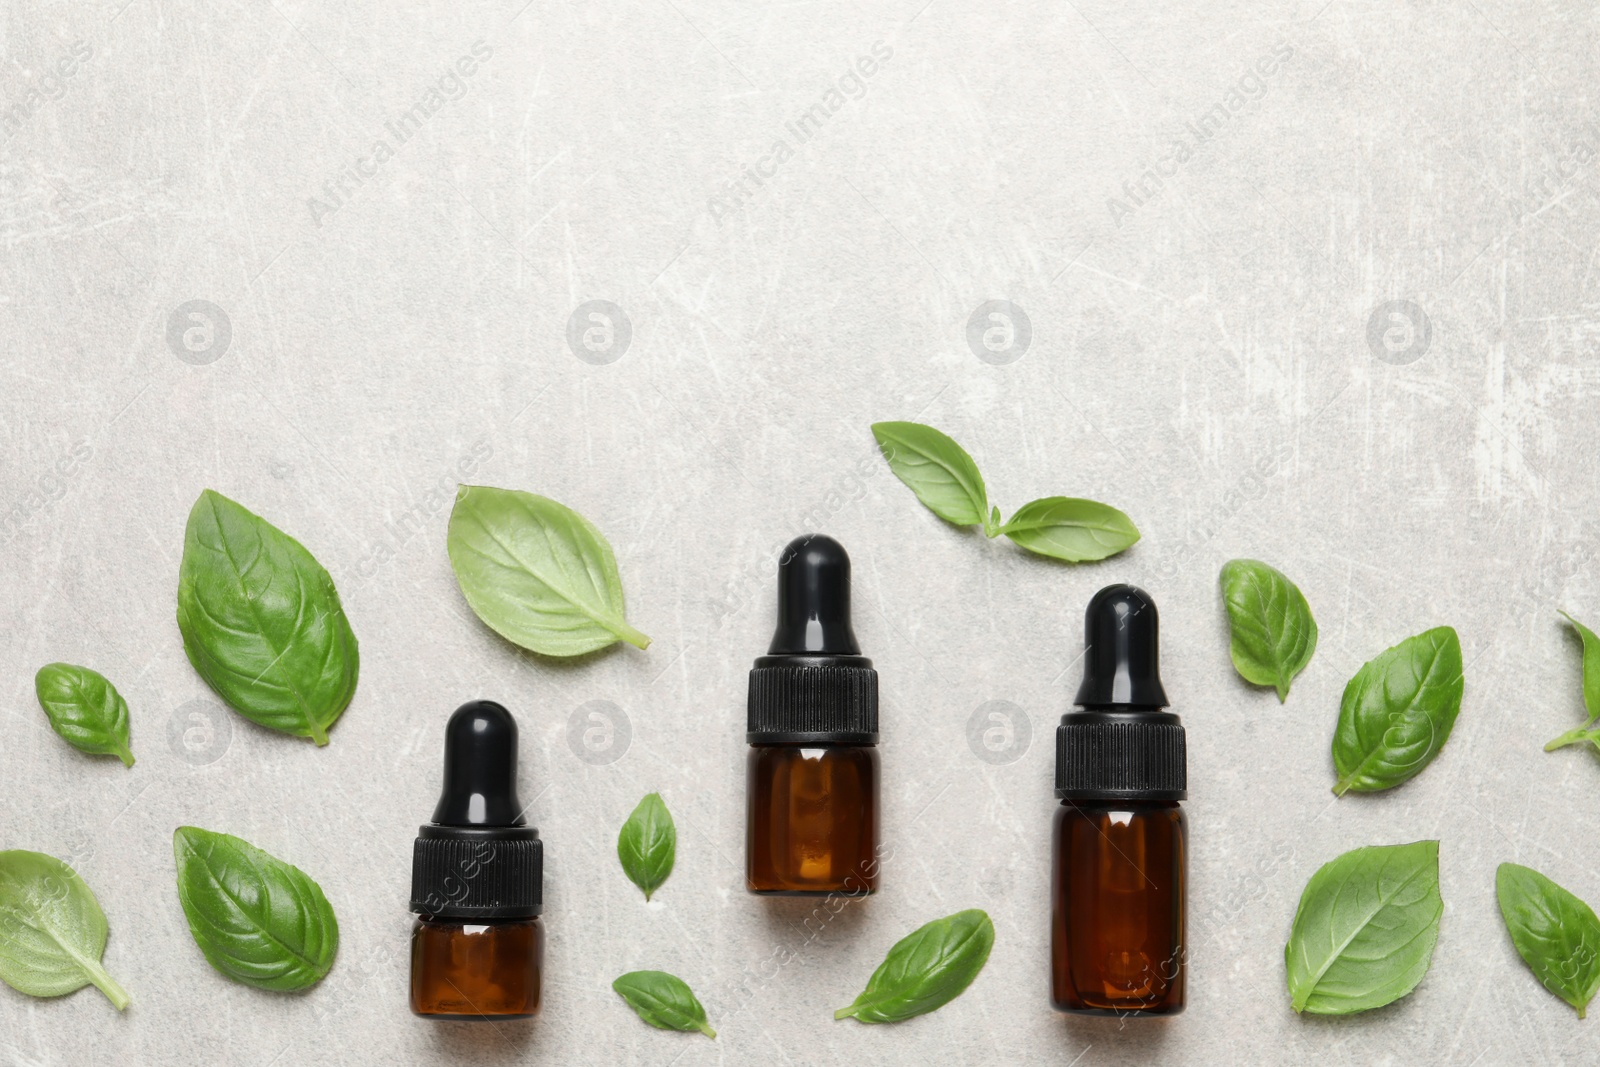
[477, 881]
[1120, 852]
[812, 772]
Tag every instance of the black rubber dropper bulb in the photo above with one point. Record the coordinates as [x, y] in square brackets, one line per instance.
[1121, 641]
[814, 600]
[480, 768]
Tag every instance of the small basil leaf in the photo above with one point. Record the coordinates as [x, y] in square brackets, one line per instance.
[1398, 712]
[85, 709]
[648, 844]
[1556, 933]
[258, 920]
[1067, 528]
[937, 469]
[536, 572]
[262, 622]
[925, 970]
[1364, 932]
[1274, 634]
[663, 1001]
[52, 931]
[1591, 690]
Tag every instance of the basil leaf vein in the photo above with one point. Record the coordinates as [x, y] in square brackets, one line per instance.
[647, 844]
[52, 931]
[1557, 935]
[926, 969]
[85, 709]
[663, 1000]
[536, 572]
[257, 919]
[262, 622]
[1364, 931]
[1273, 633]
[1398, 712]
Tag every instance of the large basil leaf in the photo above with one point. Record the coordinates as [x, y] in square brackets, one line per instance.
[262, 622]
[258, 920]
[1591, 691]
[1274, 634]
[52, 931]
[1556, 933]
[663, 1000]
[1065, 527]
[648, 844]
[1397, 712]
[536, 572]
[925, 970]
[85, 709]
[1364, 933]
[938, 470]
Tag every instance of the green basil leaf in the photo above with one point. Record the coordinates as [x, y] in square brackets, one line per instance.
[537, 573]
[1364, 932]
[925, 970]
[663, 1001]
[1274, 634]
[262, 622]
[648, 844]
[1591, 690]
[1065, 527]
[938, 470]
[85, 709]
[1398, 712]
[52, 931]
[258, 920]
[1556, 933]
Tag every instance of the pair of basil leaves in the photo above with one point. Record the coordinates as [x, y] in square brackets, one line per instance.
[264, 626]
[1398, 710]
[257, 919]
[924, 971]
[261, 622]
[1365, 930]
[946, 480]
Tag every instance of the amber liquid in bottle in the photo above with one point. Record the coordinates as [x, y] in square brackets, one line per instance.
[476, 970]
[812, 824]
[1116, 907]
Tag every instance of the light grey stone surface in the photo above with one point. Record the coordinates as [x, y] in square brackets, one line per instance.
[1230, 308]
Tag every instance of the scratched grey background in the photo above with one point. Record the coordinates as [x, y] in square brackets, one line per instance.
[1347, 244]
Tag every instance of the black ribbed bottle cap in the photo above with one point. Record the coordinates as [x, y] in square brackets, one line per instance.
[478, 860]
[813, 685]
[1121, 746]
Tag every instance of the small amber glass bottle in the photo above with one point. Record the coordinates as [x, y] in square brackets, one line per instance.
[477, 881]
[812, 772]
[1117, 903]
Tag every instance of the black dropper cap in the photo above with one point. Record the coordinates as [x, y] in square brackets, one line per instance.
[813, 686]
[1121, 746]
[478, 859]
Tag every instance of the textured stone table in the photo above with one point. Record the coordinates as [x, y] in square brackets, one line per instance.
[1308, 283]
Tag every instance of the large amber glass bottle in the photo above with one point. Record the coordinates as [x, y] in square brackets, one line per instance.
[1120, 856]
[812, 772]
